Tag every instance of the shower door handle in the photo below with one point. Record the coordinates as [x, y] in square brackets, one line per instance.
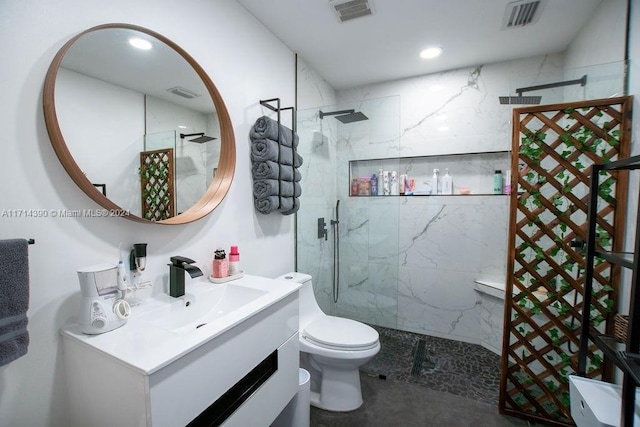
[322, 229]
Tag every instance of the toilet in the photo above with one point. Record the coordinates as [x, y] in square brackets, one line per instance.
[332, 349]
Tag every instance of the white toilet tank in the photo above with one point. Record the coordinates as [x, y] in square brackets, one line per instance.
[309, 308]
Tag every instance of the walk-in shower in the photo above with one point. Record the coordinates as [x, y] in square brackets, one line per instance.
[355, 270]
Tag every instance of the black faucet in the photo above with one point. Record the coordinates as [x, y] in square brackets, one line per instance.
[178, 266]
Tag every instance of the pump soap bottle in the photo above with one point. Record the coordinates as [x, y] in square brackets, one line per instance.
[447, 183]
[220, 265]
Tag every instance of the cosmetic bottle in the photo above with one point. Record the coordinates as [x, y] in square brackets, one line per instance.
[220, 264]
[385, 183]
[354, 187]
[447, 183]
[434, 183]
[364, 186]
[507, 181]
[403, 184]
[380, 182]
[234, 261]
[374, 185]
[497, 182]
[394, 189]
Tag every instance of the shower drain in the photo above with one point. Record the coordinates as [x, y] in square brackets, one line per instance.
[419, 357]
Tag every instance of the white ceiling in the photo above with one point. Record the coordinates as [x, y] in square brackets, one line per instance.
[385, 45]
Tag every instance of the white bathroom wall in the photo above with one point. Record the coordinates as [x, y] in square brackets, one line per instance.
[245, 61]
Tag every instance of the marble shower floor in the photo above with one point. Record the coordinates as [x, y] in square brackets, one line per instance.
[455, 367]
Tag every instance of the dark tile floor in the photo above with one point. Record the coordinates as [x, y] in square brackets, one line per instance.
[428, 381]
[440, 364]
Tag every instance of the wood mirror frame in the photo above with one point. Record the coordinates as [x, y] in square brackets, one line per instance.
[220, 185]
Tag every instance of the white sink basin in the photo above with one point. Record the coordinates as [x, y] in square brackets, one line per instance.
[200, 306]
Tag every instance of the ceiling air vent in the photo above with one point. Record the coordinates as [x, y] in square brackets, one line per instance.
[351, 9]
[521, 13]
[185, 93]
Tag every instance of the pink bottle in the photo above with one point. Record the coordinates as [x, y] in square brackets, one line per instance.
[220, 264]
[234, 261]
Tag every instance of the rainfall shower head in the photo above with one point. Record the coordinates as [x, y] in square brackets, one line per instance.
[201, 137]
[520, 99]
[346, 116]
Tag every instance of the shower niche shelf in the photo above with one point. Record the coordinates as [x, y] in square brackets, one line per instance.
[471, 171]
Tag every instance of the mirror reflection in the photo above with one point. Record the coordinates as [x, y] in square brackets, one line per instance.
[138, 121]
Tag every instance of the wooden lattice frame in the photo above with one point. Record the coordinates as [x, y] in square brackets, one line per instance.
[553, 149]
[156, 184]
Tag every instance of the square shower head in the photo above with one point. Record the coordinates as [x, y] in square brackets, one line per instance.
[352, 117]
[515, 100]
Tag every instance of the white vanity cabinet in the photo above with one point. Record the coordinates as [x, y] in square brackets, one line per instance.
[107, 391]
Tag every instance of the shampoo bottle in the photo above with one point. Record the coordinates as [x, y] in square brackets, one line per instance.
[355, 187]
[380, 182]
[497, 182]
[393, 183]
[434, 183]
[374, 185]
[234, 261]
[385, 183]
[447, 183]
[507, 182]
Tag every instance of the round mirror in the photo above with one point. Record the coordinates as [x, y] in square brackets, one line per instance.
[138, 125]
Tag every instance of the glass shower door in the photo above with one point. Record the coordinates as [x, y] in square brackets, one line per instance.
[366, 257]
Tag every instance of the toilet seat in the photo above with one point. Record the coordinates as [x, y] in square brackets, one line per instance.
[340, 334]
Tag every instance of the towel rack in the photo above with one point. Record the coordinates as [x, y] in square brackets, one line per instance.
[278, 109]
[267, 103]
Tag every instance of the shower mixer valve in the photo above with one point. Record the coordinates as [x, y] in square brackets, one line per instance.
[322, 229]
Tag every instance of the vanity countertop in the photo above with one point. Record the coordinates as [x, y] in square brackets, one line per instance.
[148, 348]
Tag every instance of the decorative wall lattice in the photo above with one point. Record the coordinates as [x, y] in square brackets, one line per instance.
[156, 184]
[554, 147]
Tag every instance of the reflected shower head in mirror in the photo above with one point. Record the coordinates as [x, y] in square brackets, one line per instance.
[201, 137]
[346, 116]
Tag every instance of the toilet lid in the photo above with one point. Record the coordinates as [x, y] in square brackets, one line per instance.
[342, 334]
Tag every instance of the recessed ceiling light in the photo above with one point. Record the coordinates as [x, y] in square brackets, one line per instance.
[431, 52]
[140, 43]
